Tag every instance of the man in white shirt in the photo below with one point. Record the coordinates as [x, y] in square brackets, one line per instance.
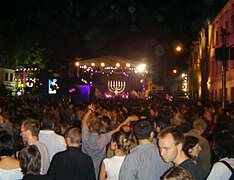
[54, 142]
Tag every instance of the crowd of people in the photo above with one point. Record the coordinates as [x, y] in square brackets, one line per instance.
[116, 138]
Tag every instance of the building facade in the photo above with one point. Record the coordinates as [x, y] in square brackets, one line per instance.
[222, 26]
[205, 71]
[199, 69]
[7, 76]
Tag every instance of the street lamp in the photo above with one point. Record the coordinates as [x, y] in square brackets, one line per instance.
[174, 71]
[178, 48]
[77, 64]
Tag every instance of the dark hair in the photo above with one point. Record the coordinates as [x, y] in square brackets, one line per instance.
[106, 119]
[48, 121]
[175, 132]
[6, 144]
[162, 121]
[224, 143]
[189, 143]
[6, 115]
[32, 125]
[74, 134]
[178, 173]
[30, 160]
[143, 128]
[121, 140]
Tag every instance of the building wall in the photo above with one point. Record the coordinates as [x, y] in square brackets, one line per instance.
[199, 65]
[223, 20]
[7, 74]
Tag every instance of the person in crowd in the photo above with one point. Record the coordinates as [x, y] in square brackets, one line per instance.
[64, 127]
[178, 173]
[29, 131]
[94, 143]
[7, 124]
[54, 142]
[68, 115]
[144, 161]
[72, 164]
[30, 163]
[153, 112]
[110, 166]
[224, 143]
[192, 147]
[9, 166]
[106, 123]
[114, 117]
[171, 141]
[126, 129]
[161, 122]
[180, 122]
[203, 160]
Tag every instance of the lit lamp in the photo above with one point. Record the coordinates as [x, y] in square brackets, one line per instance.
[178, 48]
[141, 68]
[77, 64]
[174, 71]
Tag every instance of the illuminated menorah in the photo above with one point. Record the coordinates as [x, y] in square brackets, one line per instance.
[116, 86]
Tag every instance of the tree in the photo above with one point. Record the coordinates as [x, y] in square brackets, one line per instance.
[30, 57]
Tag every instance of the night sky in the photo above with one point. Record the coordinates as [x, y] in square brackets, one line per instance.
[135, 29]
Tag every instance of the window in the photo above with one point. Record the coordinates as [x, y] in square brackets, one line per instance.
[232, 19]
[212, 95]
[232, 94]
[220, 94]
[212, 68]
[226, 26]
[11, 77]
[215, 98]
[217, 37]
[6, 76]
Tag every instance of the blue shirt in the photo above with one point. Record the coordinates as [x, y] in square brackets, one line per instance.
[144, 163]
[94, 145]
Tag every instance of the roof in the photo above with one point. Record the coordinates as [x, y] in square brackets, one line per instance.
[109, 61]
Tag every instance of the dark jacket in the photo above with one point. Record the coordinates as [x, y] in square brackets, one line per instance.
[71, 164]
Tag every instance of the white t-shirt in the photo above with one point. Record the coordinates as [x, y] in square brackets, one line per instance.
[54, 142]
[113, 166]
[11, 174]
[220, 171]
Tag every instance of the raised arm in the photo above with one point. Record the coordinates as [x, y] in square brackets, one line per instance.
[85, 119]
[128, 120]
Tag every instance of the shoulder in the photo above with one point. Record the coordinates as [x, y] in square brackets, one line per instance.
[219, 165]
[60, 155]
[217, 171]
